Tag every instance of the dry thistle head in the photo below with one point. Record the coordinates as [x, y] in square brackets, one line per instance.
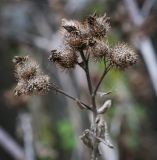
[98, 49]
[122, 56]
[99, 26]
[20, 89]
[38, 85]
[75, 40]
[66, 58]
[76, 34]
[25, 67]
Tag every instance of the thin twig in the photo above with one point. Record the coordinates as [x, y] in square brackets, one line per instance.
[73, 98]
[101, 78]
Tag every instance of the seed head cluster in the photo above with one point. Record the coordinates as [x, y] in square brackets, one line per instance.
[31, 80]
[90, 36]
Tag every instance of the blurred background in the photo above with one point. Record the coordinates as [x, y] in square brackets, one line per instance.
[48, 127]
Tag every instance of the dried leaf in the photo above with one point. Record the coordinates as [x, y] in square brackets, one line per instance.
[104, 107]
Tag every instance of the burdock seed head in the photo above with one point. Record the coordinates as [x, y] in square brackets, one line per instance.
[20, 88]
[76, 33]
[122, 56]
[38, 86]
[98, 49]
[99, 26]
[25, 67]
[76, 41]
[66, 58]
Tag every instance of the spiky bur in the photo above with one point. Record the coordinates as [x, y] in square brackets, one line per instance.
[75, 34]
[122, 56]
[38, 85]
[26, 67]
[65, 58]
[31, 80]
[98, 49]
[98, 26]
[20, 88]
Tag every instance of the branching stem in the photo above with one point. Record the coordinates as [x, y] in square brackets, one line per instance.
[85, 66]
[73, 98]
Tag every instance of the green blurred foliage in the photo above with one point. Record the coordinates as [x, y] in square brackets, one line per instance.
[66, 134]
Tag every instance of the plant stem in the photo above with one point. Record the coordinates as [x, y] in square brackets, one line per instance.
[86, 69]
[101, 79]
[94, 108]
[95, 147]
[73, 98]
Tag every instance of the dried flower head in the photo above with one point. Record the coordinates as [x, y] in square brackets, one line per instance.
[66, 58]
[122, 56]
[38, 85]
[76, 33]
[25, 67]
[99, 26]
[75, 40]
[98, 49]
[20, 88]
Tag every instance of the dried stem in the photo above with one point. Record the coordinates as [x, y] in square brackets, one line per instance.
[73, 98]
[101, 78]
[86, 69]
[93, 98]
[94, 108]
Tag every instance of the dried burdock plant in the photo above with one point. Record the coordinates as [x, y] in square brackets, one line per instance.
[82, 41]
